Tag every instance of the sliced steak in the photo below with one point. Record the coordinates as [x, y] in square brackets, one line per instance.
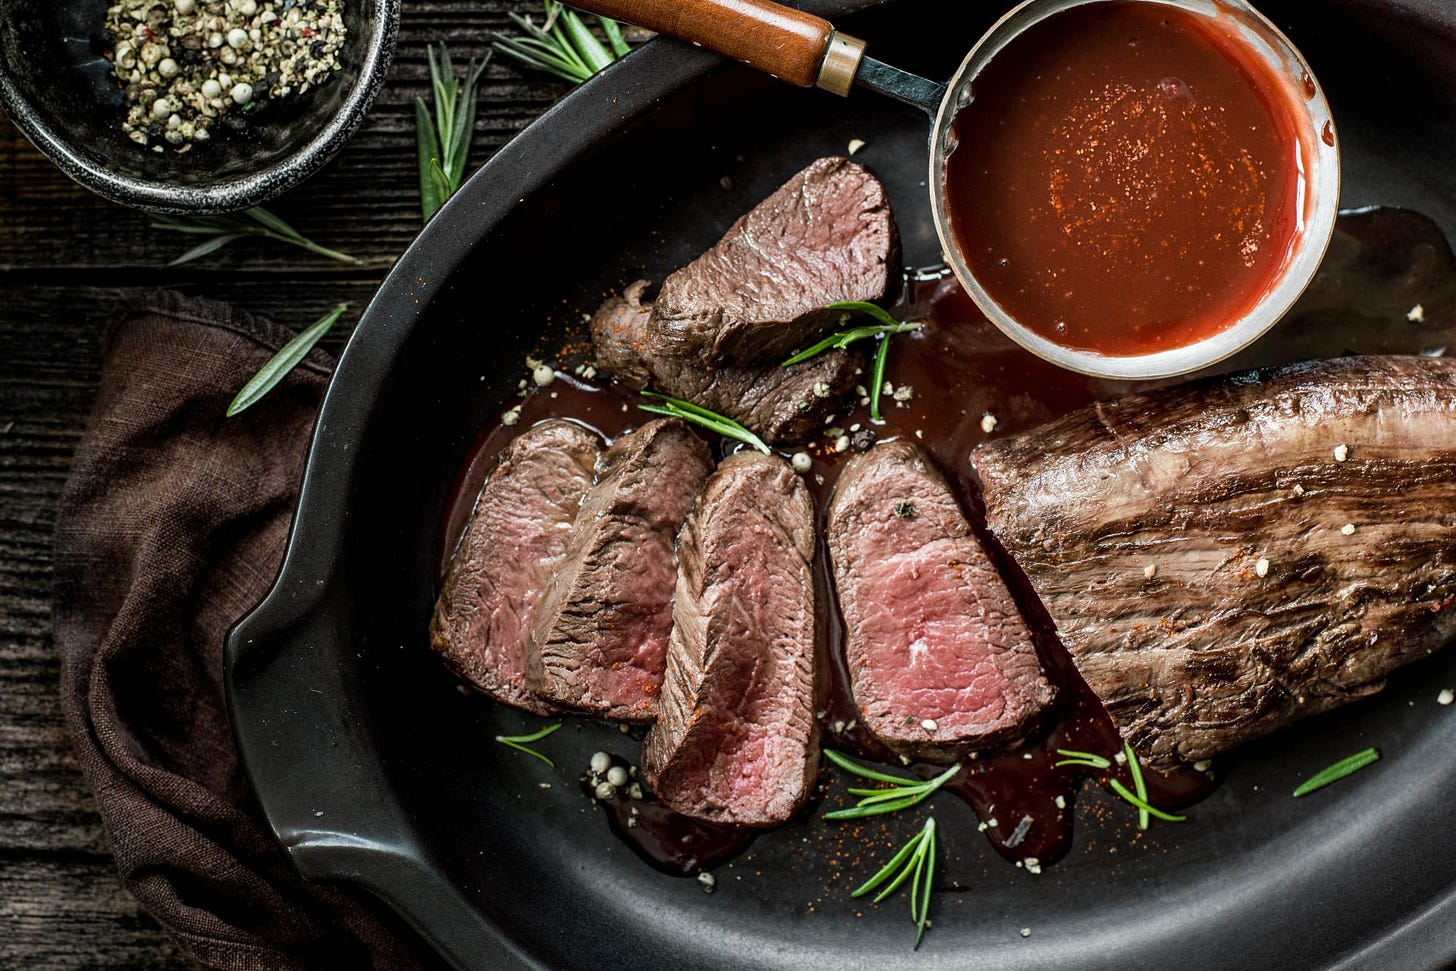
[514, 541]
[1225, 557]
[783, 405]
[736, 740]
[940, 660]
[599, 635]
[824, 236]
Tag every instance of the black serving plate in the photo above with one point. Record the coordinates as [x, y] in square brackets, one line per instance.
[375, 770]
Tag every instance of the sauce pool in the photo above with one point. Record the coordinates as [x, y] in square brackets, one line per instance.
[1126, 179]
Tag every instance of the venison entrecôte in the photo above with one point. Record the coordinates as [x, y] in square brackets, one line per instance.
[1225, 557]
[599, 634]
[736, 740]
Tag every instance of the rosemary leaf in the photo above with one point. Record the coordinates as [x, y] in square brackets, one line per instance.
[1073, 757]
[1338, 771]
[881, 356]
[870, 309]
[1142, 804]
[895, 792]
[521, 743]
[459, 151]
[886, 871]
[924, 919]
[698, 415]
[273, 224]
[284, 361]
[426, 141]
[584, 41]
[440, 180]
[1137, 782]
[206, 247]
[864, 771]
[910, 867]
[613, 30]
[927, 844]
[878, 809]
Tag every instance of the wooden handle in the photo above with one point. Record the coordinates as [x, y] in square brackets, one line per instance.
[786, 43]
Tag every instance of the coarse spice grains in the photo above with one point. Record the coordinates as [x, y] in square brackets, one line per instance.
[187, 64]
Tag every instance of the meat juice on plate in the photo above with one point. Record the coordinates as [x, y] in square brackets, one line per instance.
[1388, 271]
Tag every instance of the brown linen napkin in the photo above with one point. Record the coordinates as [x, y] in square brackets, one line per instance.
[171, 526]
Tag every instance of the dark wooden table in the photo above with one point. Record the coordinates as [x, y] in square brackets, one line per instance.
[66, 257]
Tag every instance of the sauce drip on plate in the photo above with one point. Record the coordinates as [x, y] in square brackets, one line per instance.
[1127, 178]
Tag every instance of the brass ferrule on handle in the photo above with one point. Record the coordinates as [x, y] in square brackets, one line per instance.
[841, 63]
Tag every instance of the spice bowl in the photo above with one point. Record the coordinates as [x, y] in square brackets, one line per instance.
[58, 85]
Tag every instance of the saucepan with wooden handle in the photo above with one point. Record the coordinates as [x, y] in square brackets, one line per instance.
[808, 51]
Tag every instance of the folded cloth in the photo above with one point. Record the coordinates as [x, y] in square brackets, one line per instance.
[171, 526]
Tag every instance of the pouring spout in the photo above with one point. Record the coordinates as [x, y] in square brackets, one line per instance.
[912, 89]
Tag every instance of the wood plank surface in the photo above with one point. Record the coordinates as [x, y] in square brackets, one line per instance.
[66, 258]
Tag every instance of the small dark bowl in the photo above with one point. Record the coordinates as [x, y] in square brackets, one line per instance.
[57, 85]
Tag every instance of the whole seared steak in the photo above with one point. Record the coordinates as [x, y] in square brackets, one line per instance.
[600, 632]
[516, 538]
[783, 405]
[940, 660]
[1225, 557]
[826, 235]
[736, 740]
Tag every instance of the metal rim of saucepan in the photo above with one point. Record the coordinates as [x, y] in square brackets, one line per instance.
[379, 850]
[1320, 163]
[231, 194]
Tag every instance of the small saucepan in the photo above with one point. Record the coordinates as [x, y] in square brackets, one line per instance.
[1085, 196]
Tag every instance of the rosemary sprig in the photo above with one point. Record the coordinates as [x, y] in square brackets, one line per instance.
[226, 227]
[284, 361]
[902, 794]
[886, 325]
[697, 415]
[881, 330]
[1338, 771]
[1139, 799]
[915, 861]
[1144, 807]
[442, 143]
[521, 743]
[563, 45]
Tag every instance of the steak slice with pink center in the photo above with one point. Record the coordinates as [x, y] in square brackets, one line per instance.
[515, 540]
[600, 634]
[940, 660]
[761, 292]
[736, 740]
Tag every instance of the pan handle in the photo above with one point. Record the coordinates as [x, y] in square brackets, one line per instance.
[789, 44]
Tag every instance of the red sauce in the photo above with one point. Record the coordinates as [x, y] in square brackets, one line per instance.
[1126, 179]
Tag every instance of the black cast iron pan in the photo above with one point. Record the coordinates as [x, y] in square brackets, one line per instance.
[374, 770]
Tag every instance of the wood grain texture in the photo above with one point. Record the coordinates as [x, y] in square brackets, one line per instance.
[66, 258]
